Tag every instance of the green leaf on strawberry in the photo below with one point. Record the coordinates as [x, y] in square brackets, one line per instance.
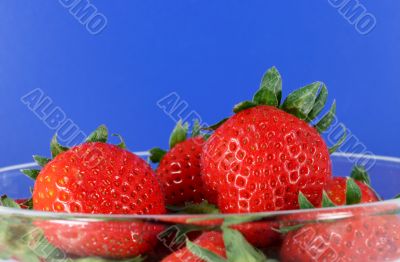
[31, 173]
[335, 147]
[41, 161]
[319, 104]
[203, 253]
[326, 201]
[359, 173]
[5, 201]
[56, 148]
[156, 154]
[270, 92]
[99, 135]
[353, 192]
[179, 134]
[243, 106]
[196, 128]
[287, 229]
[238, 249]
[301, 102]
[236, 220]
[327, 119]
[304, 203]
[195, 208]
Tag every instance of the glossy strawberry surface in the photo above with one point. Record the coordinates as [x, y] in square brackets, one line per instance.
[372, 238]
[179, 173]
[113, 240]
[98, 178]
[261, 158]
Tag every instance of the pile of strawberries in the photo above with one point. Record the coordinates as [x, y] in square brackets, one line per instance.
[268, 156]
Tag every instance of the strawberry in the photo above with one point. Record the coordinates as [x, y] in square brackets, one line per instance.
[263, 156]
[97, 178]
[179, 168]
[230, 245]
[339, 191]
[113, 240]
[371, 233]
[368, 238]
[335, 189]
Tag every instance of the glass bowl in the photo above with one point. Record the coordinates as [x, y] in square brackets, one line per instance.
[369, 232]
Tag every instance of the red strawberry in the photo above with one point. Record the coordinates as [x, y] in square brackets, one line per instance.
[103, 239]
[97, 178]
[179, 168]
[369, 238]
[371, 234]
[211, 241]
[340, 191]
[260, 233]
[335, 189]
[264, 155]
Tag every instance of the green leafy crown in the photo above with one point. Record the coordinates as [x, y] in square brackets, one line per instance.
[306, 103]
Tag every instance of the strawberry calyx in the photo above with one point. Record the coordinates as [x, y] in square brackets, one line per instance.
[179, 134]
[306, 103]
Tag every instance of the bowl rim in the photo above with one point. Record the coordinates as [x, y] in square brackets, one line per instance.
[345, 211]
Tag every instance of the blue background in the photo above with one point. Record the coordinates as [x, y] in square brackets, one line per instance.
[211, 53]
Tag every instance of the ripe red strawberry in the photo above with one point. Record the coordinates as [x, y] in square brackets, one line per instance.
[372, 233]
[335, 189]
[368, 238]
[211, 241]
[339, 191]
[97, 178]
[179, 168]
[113, 240]
[264, 155]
